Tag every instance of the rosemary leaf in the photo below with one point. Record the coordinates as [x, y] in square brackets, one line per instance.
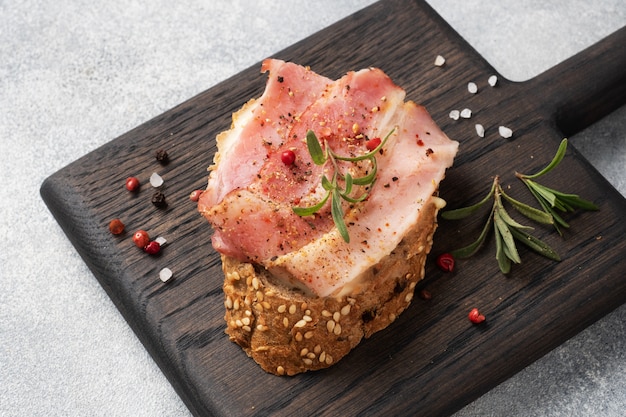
[504, 215]
[471, 249]
[532, 213]
[504, 263]
[308, 211]
[348, 184]
[464, 212]
[535, 244]
[337, 214]
[581, 203]
[327, 184]
[512, 222]
[572, 200]
[315, 149]
[353, 200]
[507, 238]
[543, 192]
[557, 219]
[560, 153]
[369, 178]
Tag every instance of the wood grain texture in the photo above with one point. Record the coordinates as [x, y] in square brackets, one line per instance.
[431, 361]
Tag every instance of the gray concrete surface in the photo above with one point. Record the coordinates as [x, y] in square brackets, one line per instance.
[75, 74]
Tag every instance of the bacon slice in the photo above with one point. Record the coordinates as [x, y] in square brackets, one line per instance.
[251, 192]
[261, 127]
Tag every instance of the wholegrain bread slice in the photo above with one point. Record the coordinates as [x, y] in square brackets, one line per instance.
[288, 332]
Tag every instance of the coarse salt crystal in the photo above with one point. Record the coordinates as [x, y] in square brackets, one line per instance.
[493, 80]
[165, 274]
[156, 180]
[480, 130]
[439, 61]
[505, 132]
[454, 114]
[466, 113]
[161, 240]
[472, 88]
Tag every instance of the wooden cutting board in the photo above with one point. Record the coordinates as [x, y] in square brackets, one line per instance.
[431, 361]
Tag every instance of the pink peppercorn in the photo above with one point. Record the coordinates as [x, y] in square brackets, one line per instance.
[372, 144]
[141, 238]
[288, 157]
[195, 195]
[132, 183]
[475, 316]
[116, 226]
[152, 248]
[445, 262]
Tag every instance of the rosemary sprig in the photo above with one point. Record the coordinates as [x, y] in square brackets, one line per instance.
[552, 200]
[506, 229]
[340, 186]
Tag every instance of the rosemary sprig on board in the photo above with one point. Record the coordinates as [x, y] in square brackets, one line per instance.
[508, 231]
[552, 200]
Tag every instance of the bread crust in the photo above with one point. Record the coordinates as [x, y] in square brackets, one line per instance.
[287, 332]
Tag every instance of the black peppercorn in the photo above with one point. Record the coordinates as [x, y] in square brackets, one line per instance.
[158, 199]
[162, 157]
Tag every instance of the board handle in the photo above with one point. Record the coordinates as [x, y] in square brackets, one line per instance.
[586, 87]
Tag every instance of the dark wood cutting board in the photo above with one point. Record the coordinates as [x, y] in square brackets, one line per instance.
[431, 360]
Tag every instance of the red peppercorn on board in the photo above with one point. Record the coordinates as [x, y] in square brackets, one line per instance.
[432, 360]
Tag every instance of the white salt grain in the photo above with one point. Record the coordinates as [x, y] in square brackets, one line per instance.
[165, 274]
[454, 114]
[161, 240]
[480, 130]
[439, 61]
[472, 88]
[156, 180]
[493, 80]
[466, 113]
[505, 132]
